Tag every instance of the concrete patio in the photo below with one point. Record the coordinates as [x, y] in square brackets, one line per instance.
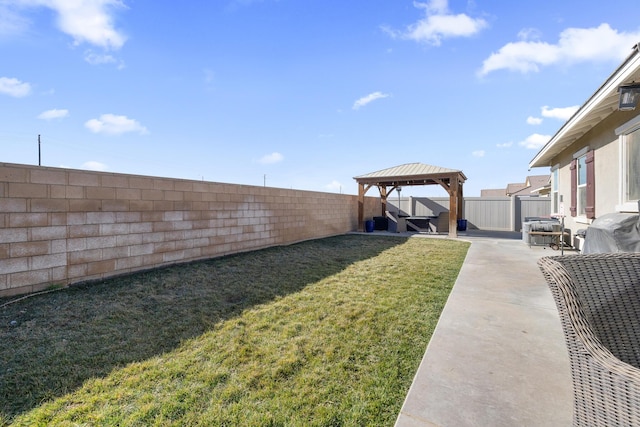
[497, 356]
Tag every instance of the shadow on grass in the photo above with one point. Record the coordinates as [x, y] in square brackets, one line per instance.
[54, 342]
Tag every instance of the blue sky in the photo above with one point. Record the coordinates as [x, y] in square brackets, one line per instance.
[301, 94]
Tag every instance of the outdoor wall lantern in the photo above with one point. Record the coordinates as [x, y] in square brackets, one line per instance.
[629, 96]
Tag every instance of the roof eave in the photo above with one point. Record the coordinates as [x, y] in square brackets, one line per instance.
[602, 103]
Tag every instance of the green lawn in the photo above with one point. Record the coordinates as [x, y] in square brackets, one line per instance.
[327, 332]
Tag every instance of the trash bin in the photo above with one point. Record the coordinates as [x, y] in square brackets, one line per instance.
[368, 225]
[381, 223]
[462, 225]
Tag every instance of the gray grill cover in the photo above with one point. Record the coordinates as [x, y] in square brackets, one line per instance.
[614, 232]
[545, 226]
[541, 224]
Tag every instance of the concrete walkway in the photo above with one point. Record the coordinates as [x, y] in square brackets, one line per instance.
[497, 356]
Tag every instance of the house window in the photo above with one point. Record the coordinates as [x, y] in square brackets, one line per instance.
[583, 182]
[555, 204]
[582, 185]
[632, 178]
[629, 194]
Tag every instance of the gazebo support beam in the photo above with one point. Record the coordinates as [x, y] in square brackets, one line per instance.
[454, 188]
[383, 199]
[362, 190]
[454, 207]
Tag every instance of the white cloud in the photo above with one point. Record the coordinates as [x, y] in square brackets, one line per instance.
[334, 186]
[521, 56]
[87, 21]
[102, 58]
[574, 45]
[11, 22]
[534, 120]
[272, 158]
[114, 125]
[478, 153]
[535, 141]
[559, 113]
[94, 166]
[53, 114]
[438, 24]
[504, 145]
[369, 98]
[529, 34]
[14, 87]
[434, 6]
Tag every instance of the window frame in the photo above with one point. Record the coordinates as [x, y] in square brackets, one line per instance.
[583, 208]
[555, 193]
[581, 186]
[623, 132]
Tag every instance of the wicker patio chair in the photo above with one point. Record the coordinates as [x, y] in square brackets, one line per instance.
[598, 299]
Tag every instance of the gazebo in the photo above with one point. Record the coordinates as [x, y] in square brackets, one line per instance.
[411, 174]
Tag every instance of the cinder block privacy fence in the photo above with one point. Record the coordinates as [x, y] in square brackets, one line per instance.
[63, 226]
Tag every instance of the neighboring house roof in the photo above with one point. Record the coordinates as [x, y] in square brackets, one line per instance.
[600, 105]
[544, 191]
[515, 188]
[493, 192]
[531, 186]
[538, 182]
[541, 185]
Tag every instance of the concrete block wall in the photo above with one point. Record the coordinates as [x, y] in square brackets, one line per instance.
[63, 226]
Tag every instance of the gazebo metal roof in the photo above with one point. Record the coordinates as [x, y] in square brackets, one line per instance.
[414, 174]
[410, 174]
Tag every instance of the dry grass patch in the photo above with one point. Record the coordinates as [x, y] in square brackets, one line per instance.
[326, 332]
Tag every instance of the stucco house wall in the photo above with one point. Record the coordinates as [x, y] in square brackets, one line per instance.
[603, 140]
[594, 129]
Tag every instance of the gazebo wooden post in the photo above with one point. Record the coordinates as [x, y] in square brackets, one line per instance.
[361, 207]
[460, 202]
[454, 202]
[383, 199]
